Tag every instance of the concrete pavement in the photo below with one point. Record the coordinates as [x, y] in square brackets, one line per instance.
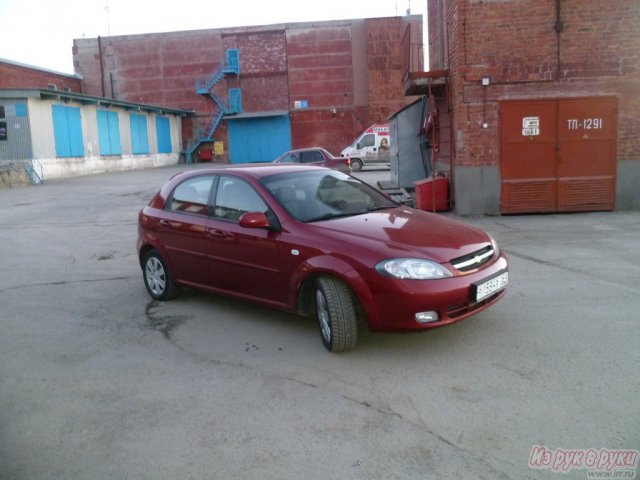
[98, 381]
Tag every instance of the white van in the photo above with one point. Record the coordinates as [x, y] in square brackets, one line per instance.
[372, 147]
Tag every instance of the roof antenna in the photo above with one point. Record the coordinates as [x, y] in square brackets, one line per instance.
[106, 7]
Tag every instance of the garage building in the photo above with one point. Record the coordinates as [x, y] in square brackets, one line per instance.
[47, 133]
[535, 103]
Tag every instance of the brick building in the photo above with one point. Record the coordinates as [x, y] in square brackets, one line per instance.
[538, 103]
[20, 75]
[258, 91]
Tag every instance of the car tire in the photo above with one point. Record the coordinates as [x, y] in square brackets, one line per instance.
[336, 314]
[157, 277]
[356, 164]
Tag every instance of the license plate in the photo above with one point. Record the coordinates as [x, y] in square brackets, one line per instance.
[491, 286]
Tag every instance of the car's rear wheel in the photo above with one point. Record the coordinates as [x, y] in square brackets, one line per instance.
[356, 164]
[157, 277]
[336, 314]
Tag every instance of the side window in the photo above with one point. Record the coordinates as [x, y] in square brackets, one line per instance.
[311, 156]
[368, 140]
[291, 158]
[236, 197]
[192, 195]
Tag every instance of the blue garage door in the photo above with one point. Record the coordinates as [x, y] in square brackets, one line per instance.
[258, 139]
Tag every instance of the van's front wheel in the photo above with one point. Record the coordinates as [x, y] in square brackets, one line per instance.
[356, 164]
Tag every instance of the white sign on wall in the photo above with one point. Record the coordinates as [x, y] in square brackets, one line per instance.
[530, 126]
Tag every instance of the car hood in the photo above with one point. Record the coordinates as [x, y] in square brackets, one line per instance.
[403, 232]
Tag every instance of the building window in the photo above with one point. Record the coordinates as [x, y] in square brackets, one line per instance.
[109, 133]
[67, 131]
[163, 132]
[139, 138]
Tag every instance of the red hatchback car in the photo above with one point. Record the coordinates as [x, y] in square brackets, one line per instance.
[313, 240]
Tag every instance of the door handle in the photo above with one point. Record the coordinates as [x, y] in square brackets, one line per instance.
[220, 234]
[165, 223]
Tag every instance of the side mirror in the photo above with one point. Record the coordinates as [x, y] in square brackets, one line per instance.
[254, 220]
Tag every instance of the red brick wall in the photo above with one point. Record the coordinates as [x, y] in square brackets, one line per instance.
[279, 65]
[515, 45]
[384, 45]
[263, 64]
[158, 69]
[437, 41]
[16, 76]
[321, 72]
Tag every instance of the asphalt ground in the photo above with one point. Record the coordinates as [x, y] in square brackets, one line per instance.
[97, 381]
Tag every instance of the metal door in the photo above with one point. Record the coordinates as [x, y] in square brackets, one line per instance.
[558, 155]
[587, 156]
[258, 139]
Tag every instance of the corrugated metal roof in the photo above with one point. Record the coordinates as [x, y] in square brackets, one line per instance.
[89, 99]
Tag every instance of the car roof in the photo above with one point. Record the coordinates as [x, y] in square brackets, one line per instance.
[257, 170]
[305, 149]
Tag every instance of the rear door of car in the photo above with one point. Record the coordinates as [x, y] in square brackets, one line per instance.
[312, 157]
[243, 261]
[182, 229]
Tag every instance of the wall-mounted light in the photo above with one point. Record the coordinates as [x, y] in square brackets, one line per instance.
[485, 81]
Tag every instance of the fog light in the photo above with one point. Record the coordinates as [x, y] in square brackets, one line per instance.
[427, 317]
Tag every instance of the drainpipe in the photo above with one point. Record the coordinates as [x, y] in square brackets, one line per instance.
[559, 28]
[441, 21]
[101, 65]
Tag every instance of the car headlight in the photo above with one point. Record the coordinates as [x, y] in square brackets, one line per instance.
[412, 268]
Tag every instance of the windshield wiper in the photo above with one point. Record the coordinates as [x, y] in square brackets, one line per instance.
[379, 207]
[328, 216]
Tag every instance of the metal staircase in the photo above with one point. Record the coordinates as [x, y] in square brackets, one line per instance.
[35, 172]
[205, 86]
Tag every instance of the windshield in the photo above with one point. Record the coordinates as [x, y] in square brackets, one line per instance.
[323, 194]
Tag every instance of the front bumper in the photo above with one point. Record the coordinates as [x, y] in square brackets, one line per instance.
[394, 303]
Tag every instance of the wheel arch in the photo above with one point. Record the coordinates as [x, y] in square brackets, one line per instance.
[308, 274]
[142, 252]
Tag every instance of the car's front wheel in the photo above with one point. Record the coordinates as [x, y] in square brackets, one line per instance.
[356, 164]
[336, 314]
[157, 277]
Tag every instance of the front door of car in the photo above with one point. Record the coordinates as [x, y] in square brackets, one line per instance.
[242, 260]
[183, 228]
